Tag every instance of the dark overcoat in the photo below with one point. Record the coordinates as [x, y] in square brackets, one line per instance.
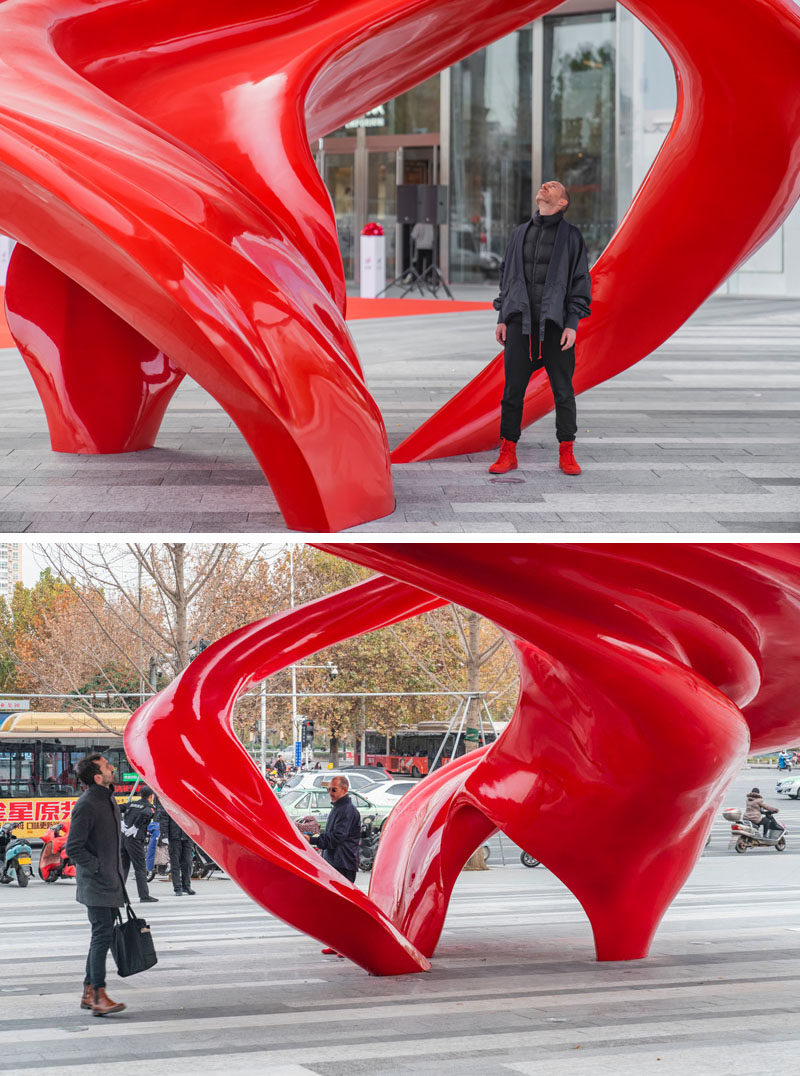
[93, 846]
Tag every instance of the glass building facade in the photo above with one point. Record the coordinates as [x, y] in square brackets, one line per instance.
[583, 96]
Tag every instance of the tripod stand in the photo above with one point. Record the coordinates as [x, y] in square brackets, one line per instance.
[430, 280]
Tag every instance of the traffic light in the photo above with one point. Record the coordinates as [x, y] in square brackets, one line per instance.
[307, 735]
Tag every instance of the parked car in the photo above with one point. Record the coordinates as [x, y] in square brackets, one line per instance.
[389, 793]
[789, 786]
[361, 780]
[316, 803]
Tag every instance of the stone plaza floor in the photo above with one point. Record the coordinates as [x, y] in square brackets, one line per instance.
[700, 437]
[514, 986]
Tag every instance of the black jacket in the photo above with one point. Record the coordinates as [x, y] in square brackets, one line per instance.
[93, 845]
[169, 830]
[342, 835]
[136, 817]
[567, 291]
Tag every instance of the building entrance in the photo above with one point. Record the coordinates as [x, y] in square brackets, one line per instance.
[362, 173]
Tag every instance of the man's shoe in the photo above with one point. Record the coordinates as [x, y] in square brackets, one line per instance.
[102, 1004]
[566, 458]
[148, 900]
[190, 891]
[178, 892]
[507, 460]
[87, 997]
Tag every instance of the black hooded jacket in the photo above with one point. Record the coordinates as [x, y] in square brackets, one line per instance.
[565, 293]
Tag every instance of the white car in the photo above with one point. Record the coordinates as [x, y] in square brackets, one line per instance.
[789, 786]
[389, 793]
[358, 781]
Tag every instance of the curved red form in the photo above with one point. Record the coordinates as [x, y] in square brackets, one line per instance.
[644, 672]
[156, 156]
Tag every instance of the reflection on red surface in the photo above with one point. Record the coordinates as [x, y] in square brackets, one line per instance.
[155, 164]
[645, 672]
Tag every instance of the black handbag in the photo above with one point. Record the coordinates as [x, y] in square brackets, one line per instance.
[132, 943]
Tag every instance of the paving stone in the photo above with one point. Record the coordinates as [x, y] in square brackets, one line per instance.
[689, 438]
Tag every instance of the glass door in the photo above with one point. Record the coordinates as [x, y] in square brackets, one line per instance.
[382, 197]
[339, 178]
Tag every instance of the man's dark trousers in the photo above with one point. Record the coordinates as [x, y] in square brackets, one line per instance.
[521, 358]
[102, 922]
[133, 853]
[180, 862]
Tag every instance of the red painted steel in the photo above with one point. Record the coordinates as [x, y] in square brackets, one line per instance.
[644, 672]
[155, 162]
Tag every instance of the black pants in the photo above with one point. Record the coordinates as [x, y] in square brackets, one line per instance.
[423, 259]
[102, 921]
[180, 862]
[520, 360]
[133, 852]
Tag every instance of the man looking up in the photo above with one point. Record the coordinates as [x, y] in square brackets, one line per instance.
[545, 290]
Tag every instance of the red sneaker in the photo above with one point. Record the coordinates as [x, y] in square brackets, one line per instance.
[566, 458]
[507, 460]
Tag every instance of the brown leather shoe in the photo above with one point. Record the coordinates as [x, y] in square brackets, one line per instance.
[103, 1005]
[87, 997]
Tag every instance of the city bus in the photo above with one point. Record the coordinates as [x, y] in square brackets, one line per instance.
[38, 752]
[413, 750]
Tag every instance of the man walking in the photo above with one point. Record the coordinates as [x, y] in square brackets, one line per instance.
[545, 290]
[138, 816]
[181, 847]
[93, 846]
[339, 842]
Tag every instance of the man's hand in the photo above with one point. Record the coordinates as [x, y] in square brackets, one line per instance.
[567, 339]
[500, 332]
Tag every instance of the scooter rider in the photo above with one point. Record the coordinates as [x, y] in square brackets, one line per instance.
[755, 810]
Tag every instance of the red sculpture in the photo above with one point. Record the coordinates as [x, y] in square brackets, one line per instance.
[646, 673]
[155, 168]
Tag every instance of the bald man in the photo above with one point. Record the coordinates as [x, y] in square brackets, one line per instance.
[545, 290]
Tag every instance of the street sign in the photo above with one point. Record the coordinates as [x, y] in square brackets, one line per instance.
[7, 705]
[130, 777]
[298, 753]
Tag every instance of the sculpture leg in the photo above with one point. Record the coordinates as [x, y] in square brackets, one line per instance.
[104, 387]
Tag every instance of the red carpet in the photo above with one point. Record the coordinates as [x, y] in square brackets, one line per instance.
[397, 308]
[357, 309]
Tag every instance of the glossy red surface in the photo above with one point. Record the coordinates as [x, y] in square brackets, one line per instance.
[645, 671]
[157, 155]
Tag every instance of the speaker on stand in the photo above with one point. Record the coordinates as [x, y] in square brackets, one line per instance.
[421, 204]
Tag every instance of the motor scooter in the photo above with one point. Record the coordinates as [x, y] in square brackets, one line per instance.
[746, 834]
[16, 856]
[54, 863]
[368, 847]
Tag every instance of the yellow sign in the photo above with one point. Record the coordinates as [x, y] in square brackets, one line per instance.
[35, 816]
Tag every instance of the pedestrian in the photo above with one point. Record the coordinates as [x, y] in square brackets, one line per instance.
[181, 847]
[94, 846]
[422, 238]
[339, 842]
[152, 841]
[138, 816]
[545, 290]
